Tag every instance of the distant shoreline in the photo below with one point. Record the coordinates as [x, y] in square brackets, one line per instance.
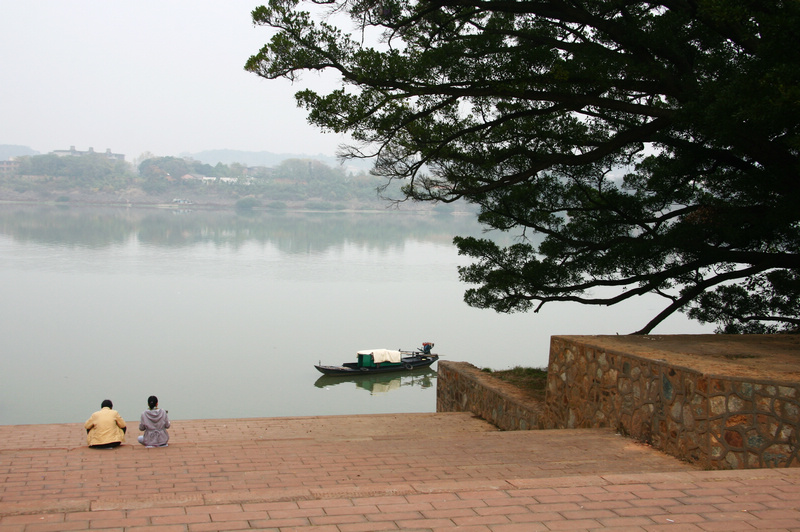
[169, 206]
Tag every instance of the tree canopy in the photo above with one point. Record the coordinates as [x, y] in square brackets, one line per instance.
[635, 147]
[90, 170]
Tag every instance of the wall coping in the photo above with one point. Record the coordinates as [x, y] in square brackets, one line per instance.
[714, 355]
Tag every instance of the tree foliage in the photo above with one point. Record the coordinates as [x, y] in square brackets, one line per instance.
[295, 180]
[636, 147]
[92, 170]
[303, 182]
[157, 167]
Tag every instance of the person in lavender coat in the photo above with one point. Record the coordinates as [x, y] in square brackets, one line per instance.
[154, 422]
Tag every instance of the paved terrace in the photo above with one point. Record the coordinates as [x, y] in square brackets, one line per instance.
[376, 472]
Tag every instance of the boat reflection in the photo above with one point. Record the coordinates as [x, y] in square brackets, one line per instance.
[382, 382]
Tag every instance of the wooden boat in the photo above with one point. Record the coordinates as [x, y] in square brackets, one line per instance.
[384, 361]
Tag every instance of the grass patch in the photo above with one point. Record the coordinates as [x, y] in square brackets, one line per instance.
[531, 381]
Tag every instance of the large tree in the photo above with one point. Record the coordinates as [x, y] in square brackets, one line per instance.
[635, 147]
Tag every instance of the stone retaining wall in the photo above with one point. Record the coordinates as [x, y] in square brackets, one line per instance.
[461, 387]
[716, 421]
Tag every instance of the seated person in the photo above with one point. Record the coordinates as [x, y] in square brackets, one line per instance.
[154, 422]
[106, 428]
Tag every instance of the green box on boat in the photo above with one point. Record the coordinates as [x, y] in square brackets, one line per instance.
[365, 361]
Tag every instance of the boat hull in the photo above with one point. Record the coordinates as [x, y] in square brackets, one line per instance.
[409, 363]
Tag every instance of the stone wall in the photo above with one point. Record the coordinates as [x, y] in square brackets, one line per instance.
[720, 402]
[716, 421]
[461, 387]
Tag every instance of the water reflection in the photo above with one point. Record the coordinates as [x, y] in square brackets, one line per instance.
[224, 316]
[219, 315]
[290, 232]
[382, 382]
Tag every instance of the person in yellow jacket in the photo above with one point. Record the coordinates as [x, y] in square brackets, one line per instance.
[106, 428]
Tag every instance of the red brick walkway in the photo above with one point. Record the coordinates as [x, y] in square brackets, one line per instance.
[383, 472]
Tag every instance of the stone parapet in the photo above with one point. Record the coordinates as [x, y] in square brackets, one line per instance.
[461, 387]
[679, 400]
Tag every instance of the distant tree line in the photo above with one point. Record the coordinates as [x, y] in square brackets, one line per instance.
[91, 171]
[292, 181]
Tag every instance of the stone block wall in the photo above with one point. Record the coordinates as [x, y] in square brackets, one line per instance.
[461, 387]
[715, 421]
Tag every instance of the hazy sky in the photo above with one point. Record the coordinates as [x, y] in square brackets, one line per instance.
[160, 76]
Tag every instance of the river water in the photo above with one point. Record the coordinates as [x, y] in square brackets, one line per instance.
[224, 316]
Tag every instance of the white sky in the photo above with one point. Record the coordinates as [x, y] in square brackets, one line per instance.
[161, 76]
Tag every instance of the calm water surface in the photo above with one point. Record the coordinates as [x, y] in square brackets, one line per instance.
[224, 316]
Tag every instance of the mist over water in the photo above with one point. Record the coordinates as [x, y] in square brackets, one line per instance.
[224, 316]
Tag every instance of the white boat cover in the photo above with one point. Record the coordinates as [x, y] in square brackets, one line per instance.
[383, 355]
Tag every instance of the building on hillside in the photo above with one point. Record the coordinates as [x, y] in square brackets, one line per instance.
[209, 179]
[72, 152]
[9, 167]
[197, 177]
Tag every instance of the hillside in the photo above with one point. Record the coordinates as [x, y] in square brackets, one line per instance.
[7, 151]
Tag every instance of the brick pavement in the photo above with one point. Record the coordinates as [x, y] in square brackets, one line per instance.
[447, 471]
